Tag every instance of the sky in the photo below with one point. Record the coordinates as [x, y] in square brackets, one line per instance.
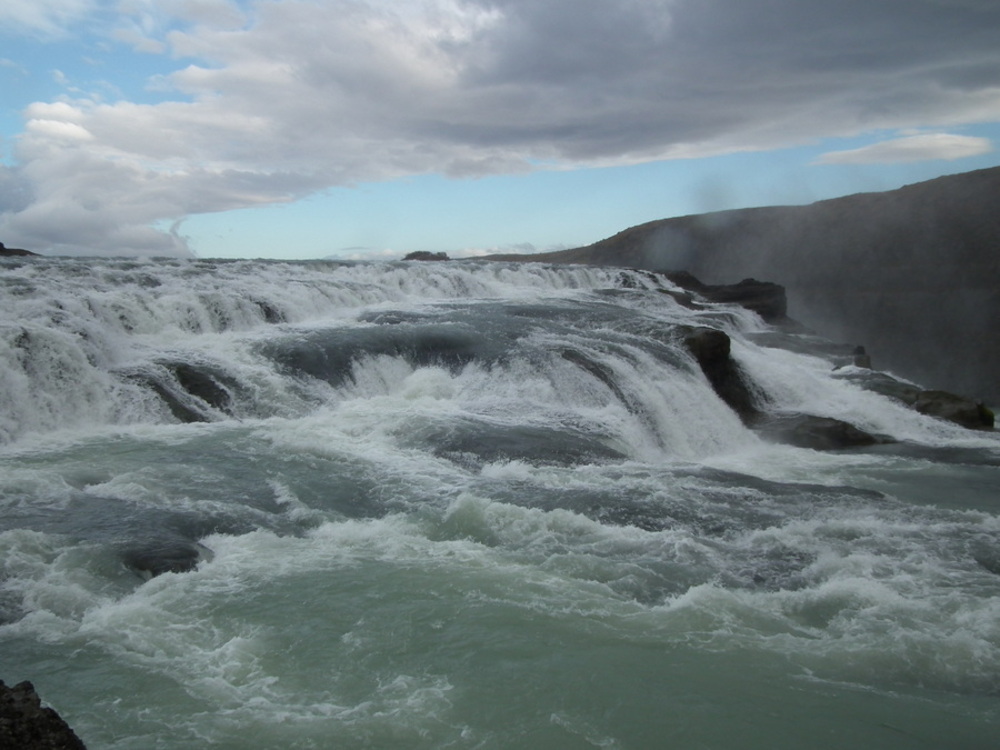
[372, 128]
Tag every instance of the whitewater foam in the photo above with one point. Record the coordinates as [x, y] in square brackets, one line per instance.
[468, 505]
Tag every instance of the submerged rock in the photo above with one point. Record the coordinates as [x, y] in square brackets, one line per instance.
[165, 556]
[26, 725]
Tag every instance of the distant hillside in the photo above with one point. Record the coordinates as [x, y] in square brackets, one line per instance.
[913, 274]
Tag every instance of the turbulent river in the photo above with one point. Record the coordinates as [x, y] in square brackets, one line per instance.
[464, 505]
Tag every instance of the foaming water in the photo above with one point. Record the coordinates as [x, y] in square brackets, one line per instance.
[481, 506]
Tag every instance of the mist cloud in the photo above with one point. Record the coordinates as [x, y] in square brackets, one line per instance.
[272, 101]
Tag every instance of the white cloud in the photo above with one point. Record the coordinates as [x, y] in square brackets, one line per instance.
[911, 148]
[47, 17]
[139, 41]
[218, 14]
[56, 130]
[283, 97]
[11, 65]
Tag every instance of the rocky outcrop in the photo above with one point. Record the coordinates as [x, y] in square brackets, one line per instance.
[711, 350]
[817, 433]
[963, 411]
[882, 383]
[10, 252]
[958, 409]
[26, 725]
[763, 297]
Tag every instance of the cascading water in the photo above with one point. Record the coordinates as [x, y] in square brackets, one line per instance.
[262, 504]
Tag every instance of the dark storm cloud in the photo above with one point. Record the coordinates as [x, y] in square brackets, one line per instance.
[598, 78]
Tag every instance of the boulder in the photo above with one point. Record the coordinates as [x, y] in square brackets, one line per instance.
[817, 433]
[957, 409]
[711, 349]
[26, 725]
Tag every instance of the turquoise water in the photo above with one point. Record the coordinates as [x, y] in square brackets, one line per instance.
[405, 518]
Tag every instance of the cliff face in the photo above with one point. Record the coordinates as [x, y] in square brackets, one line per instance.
[913, 274]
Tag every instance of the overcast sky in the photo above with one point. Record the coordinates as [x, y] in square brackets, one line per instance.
[370, 128]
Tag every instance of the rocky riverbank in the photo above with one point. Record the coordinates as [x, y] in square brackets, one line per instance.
[27, 725]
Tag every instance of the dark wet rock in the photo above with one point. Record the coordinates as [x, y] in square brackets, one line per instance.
[802, 341]
[181, 411]
[330, 354]
[148, 540]
[961, 410]
[987, 555]
[957, 409]
[862, 358]
[426, 255]
[471, 443]
[156, 558]
[882, 383]
[26, 725]
[602, 372]
[212, 387]
[270, 312]
[191, 391]
[711, 349]
[763, 297]
[11, 252]
[818, 433]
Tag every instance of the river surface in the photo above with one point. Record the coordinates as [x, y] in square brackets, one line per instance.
[461, 505]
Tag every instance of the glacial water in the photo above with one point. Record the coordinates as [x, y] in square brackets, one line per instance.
[463, 505]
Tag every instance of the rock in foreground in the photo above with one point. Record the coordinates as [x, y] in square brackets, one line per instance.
[26, 725]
